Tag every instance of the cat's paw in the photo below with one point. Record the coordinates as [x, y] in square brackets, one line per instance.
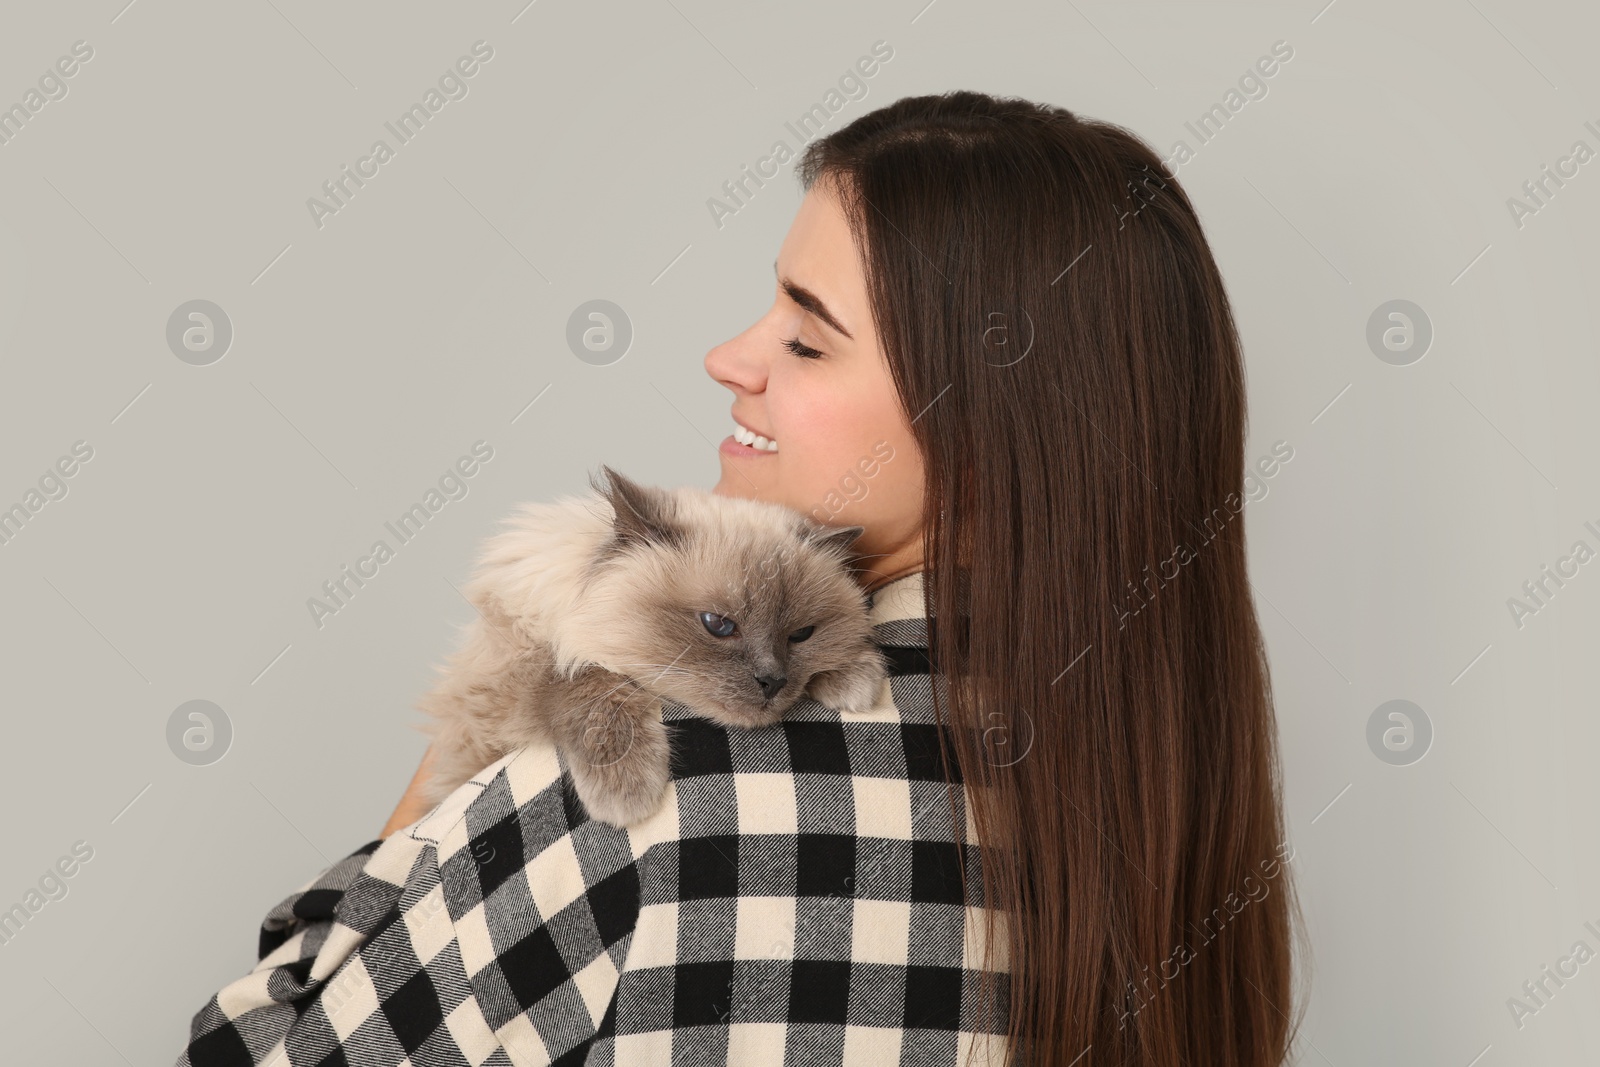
[852, 689]
[622, 804]
[626, 791]
[620, 762]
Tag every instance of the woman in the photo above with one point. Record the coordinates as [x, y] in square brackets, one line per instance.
[1000, 343]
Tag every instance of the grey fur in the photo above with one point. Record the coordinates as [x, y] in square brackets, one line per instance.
[589, 616]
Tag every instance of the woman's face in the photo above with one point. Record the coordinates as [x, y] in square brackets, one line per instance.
[845, 453]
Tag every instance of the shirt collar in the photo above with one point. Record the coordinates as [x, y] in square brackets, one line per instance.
[896, 613]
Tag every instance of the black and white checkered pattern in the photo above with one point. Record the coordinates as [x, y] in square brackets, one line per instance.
[796, 900]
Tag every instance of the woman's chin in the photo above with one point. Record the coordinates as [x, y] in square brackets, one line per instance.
[730, 484]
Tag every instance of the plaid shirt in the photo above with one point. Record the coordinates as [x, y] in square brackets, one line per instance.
[796, 899]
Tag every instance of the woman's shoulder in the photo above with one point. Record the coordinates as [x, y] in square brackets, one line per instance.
[878, 774]
[802, 880]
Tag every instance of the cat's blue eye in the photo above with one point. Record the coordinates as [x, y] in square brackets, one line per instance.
[802, 633]
[717, 625]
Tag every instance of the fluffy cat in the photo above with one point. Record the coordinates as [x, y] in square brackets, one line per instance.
[594, 608]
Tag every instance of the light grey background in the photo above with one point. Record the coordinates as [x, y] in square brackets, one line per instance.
[370, 353]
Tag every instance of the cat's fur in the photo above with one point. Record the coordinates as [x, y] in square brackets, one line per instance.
[589, 613]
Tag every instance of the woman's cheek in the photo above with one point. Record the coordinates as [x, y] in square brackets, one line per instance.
[808, 477]
[804, 477]
[811, 429]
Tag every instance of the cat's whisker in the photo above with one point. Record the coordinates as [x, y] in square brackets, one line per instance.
[646, 663]
[672, 666]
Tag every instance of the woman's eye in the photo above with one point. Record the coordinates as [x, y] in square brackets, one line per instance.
[802, 633]
[803, 350]
[717, 625]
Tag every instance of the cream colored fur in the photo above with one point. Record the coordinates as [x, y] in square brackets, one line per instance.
[589, 617]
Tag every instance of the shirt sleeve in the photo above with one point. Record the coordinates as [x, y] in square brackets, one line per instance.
[396, 955]
[303, 939]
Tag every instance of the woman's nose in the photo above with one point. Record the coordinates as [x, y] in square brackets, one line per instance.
[738, 362]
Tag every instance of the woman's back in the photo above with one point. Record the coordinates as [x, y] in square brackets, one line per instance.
[797, 898]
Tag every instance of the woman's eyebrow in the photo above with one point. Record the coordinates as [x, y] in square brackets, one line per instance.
[810, 302]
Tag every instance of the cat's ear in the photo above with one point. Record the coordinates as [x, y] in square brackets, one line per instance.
[833, 536]
[643, 514]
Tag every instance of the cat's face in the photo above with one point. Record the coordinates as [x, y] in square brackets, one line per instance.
[731, 607]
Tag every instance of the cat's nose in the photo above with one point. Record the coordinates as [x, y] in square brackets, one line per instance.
[769, 684]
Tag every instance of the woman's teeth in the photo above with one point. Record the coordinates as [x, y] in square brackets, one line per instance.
[753, 439]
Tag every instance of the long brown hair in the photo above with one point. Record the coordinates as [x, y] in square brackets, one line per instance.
[1054, 320]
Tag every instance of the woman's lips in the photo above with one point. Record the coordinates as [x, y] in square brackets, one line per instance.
[731, 447]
